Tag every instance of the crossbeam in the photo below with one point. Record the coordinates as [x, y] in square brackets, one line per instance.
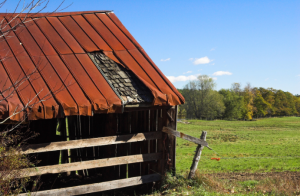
[97, 187]
[83, 143]
[53, 169]
[185, 137]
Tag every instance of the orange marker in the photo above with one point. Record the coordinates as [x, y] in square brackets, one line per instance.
[218, 159]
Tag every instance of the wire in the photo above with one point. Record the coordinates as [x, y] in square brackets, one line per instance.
[218, 159]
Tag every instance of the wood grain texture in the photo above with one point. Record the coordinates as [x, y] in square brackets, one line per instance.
[197, 156]
[184, 136]
[101, 141]
[98, 187]
[53, 169]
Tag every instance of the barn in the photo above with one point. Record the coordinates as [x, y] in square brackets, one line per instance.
[94, 96]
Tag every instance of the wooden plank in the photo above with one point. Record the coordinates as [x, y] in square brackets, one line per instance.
[171, 123]
[53, 169]
[144, 145]
[133, 109]
[197, 156]
[111, 125]
[135, 169]
[186, 137]
[164, 142]
[175, 141]
[101, 141]
[123, 128]
[97, 187]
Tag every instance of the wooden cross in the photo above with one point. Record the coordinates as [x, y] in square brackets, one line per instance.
[201, 144]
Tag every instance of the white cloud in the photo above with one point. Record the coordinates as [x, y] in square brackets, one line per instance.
[165, 59]
[202, 60]
[212, 49]
[190, 59]
[213, 64]
[298, 75]
[187, 72]
[221, 73]
[182, 78]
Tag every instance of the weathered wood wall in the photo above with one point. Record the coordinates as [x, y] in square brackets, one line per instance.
[132, 121]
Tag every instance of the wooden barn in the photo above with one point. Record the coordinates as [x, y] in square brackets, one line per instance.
[97, 100]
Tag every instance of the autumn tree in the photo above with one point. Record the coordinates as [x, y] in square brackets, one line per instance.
[248, 95]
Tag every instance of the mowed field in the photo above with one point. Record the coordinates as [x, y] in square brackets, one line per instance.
[264, 145]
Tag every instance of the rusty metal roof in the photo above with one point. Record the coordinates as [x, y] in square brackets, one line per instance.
[54, 50]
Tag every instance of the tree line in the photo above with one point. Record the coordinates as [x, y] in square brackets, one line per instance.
[203, 102]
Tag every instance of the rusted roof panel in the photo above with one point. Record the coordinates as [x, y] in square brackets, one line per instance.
[85, 82]
[84, 105]
[55, 47]
[116, 31]
[65, 35]
[91, 33]
[43, 44]
[53, 36]
[104, 32]
[13, 103]
[99, 81]
[78, 33]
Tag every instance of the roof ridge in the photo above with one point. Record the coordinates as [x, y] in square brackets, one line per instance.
[55, 14]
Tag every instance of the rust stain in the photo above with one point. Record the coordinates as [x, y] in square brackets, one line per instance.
[181, 135]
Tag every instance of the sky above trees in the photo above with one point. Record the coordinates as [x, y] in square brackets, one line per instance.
[231, 41]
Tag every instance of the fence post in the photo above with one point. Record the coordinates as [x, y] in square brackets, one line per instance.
[197, 156]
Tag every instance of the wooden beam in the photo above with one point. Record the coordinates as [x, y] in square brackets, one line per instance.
[53, 169]
[197, 156]
[184, 136]
[100, 141]
[98, 187]
[138, 105]
[132, 109]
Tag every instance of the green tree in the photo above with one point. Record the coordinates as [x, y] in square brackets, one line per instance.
[201, 99]
[290, 103]
[233, 103]
[269, 96]
[297, 104]
[260, 105]
[281, 103]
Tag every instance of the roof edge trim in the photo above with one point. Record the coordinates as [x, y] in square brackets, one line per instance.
[55, 14]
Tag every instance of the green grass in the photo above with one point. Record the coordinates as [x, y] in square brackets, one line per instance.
[270, 144]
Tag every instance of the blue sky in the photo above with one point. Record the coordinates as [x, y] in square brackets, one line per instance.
[232, 41]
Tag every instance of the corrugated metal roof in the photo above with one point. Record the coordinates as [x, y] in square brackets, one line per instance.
[57, 46]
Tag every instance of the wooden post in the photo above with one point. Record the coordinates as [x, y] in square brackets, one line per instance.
[171, 123]
[197, 156]
[68, 139]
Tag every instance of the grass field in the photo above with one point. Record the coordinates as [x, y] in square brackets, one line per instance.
[259, 157]
[264, 145]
